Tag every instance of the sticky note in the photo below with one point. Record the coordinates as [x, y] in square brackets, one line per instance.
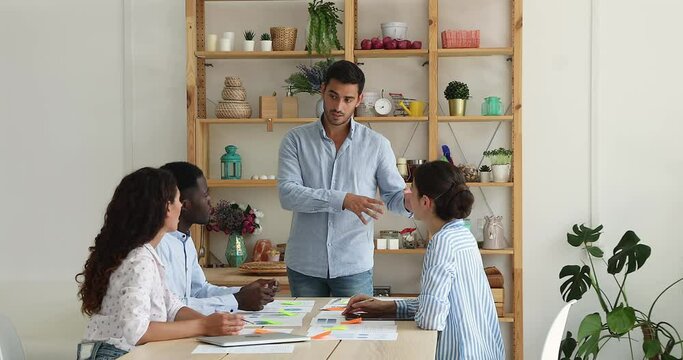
[338, 308]
[354, 321]
[338, 327]
[262, 331]
[286, 313]
[321, 335]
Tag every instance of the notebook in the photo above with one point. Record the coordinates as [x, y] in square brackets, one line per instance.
[253, 339]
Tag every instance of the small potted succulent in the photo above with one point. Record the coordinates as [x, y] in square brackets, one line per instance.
[249, 40]
[457, 94]
[485, 174]
[266, 42]
[500, 163]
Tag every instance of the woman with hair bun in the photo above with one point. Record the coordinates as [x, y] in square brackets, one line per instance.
[455, 297]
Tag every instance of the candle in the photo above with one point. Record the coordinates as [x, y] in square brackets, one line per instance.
[211, 41]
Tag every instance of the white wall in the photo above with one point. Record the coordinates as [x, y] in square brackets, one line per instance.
[62, 148]
[62, 110]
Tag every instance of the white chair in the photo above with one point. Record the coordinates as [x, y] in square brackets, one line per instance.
[556, 333]
[10, 344]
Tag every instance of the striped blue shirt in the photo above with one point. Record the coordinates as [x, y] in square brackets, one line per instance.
[455, 298]
[314, 178]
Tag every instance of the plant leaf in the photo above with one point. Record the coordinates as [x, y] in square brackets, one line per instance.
[595, 251]
[652, 347]
[578, 283]
[628, 253]
[590, 325]
[583, 235]
[621, 319]
[567, 347]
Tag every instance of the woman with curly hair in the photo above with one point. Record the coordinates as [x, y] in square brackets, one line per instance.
[122, 285]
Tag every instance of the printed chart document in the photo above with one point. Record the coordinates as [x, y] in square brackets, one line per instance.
[274, 319]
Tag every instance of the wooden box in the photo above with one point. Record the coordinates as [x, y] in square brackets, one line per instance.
[290, 107]
[267, 107]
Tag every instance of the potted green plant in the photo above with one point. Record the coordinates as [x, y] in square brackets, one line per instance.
[660, 339]
[500, 163]
[266, 42]
[485, 174]
[457, 94]
[322, 27]
[309, 79]
[249, 40]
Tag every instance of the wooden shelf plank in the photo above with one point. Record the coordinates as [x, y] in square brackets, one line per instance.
[217, 183]
[399, 53]
[507, 318]
[508, 251]
[409, 119]
[296, 54]
[475, 118]
[490, 184]
[257, 121]
[475, 52]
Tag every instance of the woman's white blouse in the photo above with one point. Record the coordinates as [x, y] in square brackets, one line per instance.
[137, 294]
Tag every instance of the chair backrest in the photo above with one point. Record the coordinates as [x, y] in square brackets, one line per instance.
[10, 344]
[552, 341]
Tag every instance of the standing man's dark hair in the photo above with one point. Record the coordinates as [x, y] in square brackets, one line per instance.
[346, 72]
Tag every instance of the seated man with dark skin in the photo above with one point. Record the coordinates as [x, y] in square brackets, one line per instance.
[184, 276]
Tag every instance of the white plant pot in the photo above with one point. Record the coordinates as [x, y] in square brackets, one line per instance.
[266, 45]
[249, 45]
[501, 173]
[485, 176]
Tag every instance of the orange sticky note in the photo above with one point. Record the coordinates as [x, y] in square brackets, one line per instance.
[321, 335]
[339, 308]
[262, 331]
[353, 321]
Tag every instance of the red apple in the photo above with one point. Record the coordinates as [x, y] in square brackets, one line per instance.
[409, 44]
[387, 38]
[377, 43]
[366, 44]
[417, 44]
[391, 45]
[402, 44]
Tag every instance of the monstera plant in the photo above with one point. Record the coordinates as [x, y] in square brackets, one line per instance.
[618, 318]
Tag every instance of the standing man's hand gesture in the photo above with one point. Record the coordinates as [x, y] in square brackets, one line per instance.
[362, 204]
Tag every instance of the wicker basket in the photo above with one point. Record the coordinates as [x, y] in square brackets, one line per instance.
[234, 93]
[284, 38]
[229, 109]
[233, 81]
[451, 39]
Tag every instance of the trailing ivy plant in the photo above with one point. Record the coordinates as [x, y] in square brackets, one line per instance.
[322, 27]
[660, 339]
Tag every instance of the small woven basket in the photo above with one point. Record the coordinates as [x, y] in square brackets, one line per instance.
[284, 38]
[229, 109]
[452, 39]
[234, 93]
[233, 81]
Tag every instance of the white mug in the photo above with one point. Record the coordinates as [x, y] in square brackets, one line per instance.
[211, 42]
[225, 44]
[228, 35]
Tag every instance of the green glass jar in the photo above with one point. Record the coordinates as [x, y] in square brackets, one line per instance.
[236, 251]
[231, 164]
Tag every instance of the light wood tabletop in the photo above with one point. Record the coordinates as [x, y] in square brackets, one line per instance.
[412, 343]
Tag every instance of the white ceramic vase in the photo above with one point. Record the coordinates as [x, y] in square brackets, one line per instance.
[501, 173]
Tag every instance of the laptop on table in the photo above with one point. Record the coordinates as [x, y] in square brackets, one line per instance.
[253, 339]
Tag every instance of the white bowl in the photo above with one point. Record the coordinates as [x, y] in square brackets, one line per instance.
[396, 30]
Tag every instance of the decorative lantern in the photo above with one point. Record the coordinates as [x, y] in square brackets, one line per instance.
[231, 164]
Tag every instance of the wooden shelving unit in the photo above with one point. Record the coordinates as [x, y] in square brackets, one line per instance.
[198, 124]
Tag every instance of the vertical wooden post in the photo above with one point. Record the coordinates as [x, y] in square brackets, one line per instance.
[518, 333]
[433, 47]
[350, 18]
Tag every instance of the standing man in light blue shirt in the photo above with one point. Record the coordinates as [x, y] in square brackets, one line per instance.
[329, 172]
[184, 276]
